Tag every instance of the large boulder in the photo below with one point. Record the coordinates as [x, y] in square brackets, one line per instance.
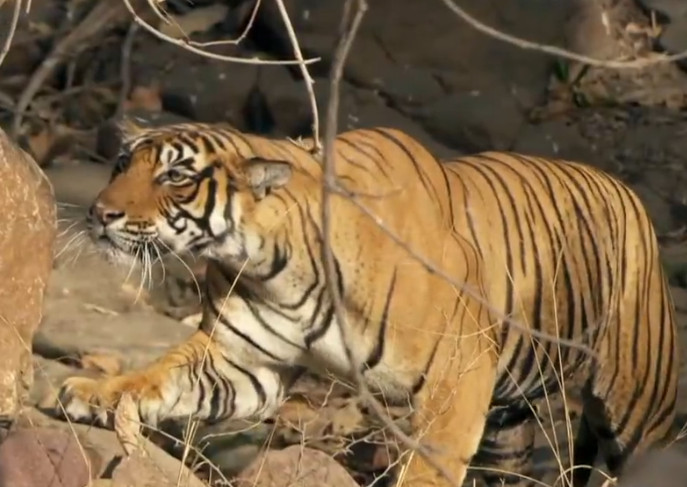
[295, 465]
[27, 232]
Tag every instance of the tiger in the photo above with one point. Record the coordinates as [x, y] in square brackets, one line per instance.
[469, 289]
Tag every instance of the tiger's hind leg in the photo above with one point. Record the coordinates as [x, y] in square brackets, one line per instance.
[585, 451]
[505, 452]
[620, 422]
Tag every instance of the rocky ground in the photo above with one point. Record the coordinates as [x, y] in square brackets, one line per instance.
[415, 66]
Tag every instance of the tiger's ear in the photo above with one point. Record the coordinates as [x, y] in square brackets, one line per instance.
[128, 129]
[264, 175]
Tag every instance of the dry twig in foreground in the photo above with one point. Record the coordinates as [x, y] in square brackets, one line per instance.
[309, 82]
[347, 34]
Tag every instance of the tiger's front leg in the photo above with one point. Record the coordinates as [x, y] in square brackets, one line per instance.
[195, 379]
[450, 412]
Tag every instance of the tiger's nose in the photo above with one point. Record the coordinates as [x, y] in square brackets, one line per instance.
[103, 214]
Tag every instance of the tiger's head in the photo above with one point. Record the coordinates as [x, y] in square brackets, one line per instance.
[177, 189]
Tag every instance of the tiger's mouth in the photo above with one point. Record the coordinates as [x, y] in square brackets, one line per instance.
[127, 249]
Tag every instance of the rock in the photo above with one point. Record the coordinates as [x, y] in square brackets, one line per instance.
[474, 121]
[674, 37]
[389, 41]
[27, 234]
[77, 185]
[49, 457]
[555, 138]
[295, 465]
[286, 100]
[658, 468]
[187, 95]
[405, 86]
[366, 109]
[144, 470]
[142, 334]
[150, 466]
[671, 9]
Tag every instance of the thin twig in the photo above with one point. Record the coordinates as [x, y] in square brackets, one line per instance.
[221, 42]
[347, 35]
[220, 57]
[309, 82]
[125, 67]
[558, 51]
[13, 28]
[240, 38]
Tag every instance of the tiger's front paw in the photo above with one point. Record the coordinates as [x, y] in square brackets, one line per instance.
[84, 400]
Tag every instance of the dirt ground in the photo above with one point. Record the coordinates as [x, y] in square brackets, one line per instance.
[447, 91]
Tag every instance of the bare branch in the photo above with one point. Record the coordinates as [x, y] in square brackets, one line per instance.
[241, 36]
[189, 47]
[558, 51]
[13, 28]
[347, 35]
[309, 82]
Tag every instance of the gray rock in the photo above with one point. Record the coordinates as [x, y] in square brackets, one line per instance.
[674, 37]
[406, 85]
[295, 465]
[187, 95]
[658, 468]
[555, 138]
[474, 121]
[31, 457]
[671, 9]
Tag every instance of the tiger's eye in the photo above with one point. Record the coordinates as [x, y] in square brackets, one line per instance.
[175, 175]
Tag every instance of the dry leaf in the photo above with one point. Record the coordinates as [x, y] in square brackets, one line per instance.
[100, 309]
[127, 423]
[40, 144]
[347, 420]
[297, 412]
[144, 98]
[197, 20]
[106, 363]
[50, 143]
